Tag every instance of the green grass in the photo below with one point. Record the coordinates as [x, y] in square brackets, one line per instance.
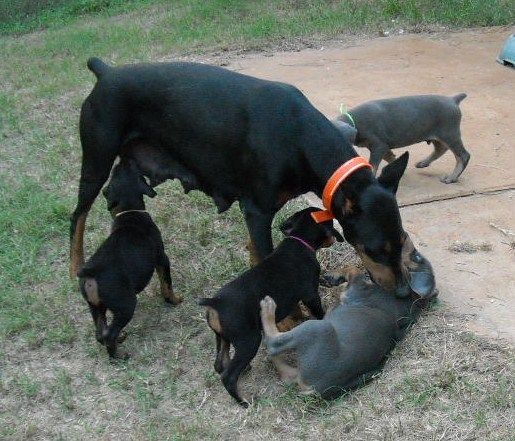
[50, 363]
[274, 18]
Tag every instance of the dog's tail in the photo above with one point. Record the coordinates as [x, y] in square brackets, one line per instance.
[459, 98]
[97, 66]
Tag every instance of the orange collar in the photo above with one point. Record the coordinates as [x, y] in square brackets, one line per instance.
[341, 173]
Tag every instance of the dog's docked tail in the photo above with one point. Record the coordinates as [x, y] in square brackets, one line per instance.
[459, 98]
[97, 66]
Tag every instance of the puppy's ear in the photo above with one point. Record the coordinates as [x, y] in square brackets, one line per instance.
[288, 224]
[330, 231]
[392, 173]
[145, 188]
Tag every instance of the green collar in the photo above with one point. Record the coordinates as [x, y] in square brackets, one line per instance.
[344, 112]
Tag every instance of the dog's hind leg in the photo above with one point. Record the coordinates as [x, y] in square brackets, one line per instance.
[462, 159]
[315, 306]
[439, 148]
[222, 354]
[122, 314]
[276, 341]
[288, 373]
[245, 350]
[98, 313]
[165, 280]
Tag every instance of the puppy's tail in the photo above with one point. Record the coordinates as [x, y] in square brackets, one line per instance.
[459, 98]
[97, 66]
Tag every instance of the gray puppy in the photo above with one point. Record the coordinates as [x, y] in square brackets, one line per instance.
[350, 344]
[386, 124]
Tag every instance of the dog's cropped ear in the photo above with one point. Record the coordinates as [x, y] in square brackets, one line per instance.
[146, 188]
[346, 130]
[392, 173]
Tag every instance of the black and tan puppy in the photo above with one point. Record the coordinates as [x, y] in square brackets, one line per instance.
[289, 275]
[350, 344]
[123, 265]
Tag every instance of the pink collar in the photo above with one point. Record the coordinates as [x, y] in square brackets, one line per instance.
[303, 242]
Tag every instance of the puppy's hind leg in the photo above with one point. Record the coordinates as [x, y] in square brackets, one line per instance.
[165, 281]
[315, 306]
[245, 350]
[121, 316]
[462, 159]
[276, 341]
[222, 354]
[99, 318]
[439, 148]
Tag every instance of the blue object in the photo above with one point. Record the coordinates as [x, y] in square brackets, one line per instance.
[507, 55]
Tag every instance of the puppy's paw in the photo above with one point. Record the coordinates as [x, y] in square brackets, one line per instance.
[422, 164]
[268, 308]
[332, 278]
[448, 180]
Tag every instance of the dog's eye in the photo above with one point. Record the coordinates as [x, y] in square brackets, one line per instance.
[416, 257]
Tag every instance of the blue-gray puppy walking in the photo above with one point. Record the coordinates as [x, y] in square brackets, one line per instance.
[386, 124]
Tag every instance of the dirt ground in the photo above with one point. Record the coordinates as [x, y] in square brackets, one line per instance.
[445, 220]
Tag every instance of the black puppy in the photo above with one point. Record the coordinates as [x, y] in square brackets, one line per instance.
[125, 262]
[236, 138]
[349, 345]
[288, 275]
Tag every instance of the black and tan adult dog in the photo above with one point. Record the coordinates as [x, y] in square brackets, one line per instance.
[349, 345]
[126, 260]
[234, 137]
[289, 275]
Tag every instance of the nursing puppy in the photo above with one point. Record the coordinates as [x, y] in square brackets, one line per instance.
[350, 344]
[289, 275]
[123, 265]
[386, 124]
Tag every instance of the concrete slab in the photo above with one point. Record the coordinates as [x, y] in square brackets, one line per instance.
[481, 283]
[415, 64]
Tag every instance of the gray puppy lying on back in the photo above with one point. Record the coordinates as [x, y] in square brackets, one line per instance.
[350, 344]
[386, 124]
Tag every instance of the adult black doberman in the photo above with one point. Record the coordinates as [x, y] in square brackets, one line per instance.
[234, 137]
